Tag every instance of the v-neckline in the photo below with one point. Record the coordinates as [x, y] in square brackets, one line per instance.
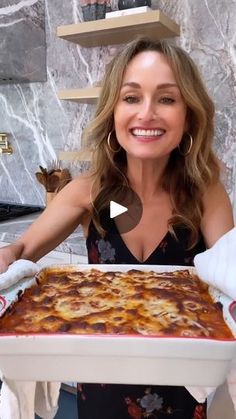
[133, 256]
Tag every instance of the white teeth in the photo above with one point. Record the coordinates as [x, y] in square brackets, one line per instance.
[148, 132]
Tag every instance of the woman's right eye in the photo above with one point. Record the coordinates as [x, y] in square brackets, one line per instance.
[131, 99]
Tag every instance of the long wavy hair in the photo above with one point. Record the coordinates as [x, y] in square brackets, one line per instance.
[185, 177]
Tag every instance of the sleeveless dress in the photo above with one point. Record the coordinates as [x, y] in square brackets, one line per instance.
[115, 401]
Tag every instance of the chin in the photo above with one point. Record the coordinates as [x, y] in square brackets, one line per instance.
[144, 156]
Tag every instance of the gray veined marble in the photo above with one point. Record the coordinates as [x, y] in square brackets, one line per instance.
[40, 125]
[22, 41]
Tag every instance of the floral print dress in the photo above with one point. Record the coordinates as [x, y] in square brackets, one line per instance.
[115, 401]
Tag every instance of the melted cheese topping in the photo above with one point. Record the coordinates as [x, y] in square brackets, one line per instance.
[133, 302]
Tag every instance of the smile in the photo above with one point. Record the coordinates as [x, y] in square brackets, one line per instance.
[147, 132]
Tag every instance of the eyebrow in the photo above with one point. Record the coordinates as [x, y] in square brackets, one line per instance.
[159, 86]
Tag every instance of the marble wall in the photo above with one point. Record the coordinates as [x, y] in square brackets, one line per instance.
[22, 41]
[40, 125]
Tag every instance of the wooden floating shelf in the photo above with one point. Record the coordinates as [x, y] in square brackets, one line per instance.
[87, 95]
[120, 29]
[75, 156]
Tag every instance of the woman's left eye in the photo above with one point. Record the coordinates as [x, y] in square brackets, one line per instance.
[167, 100]
[131, 99]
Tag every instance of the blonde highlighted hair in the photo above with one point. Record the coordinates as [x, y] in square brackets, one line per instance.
[186, 177]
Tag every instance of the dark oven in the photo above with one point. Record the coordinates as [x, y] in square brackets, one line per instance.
[9, 211]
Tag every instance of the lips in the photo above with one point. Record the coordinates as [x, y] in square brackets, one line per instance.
[147, 135]
[141, 132]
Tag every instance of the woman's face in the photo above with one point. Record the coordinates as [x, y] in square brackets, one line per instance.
[150, 115]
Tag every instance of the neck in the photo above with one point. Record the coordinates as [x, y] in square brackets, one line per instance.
[145, 177]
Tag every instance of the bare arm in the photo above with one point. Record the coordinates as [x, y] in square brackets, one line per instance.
[57, 222]
[218, 216]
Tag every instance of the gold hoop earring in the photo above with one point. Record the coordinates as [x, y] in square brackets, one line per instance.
[109, 144]
[186, 152]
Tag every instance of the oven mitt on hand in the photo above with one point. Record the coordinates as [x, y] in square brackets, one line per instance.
[22, 399]
[217, 265]
[201, 393]
[20, 269]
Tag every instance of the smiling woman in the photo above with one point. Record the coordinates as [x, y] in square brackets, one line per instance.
[154, 105]
[150, 115]
[152, 134]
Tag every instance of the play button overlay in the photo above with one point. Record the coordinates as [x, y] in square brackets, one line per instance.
[116, 209]
[123, 209]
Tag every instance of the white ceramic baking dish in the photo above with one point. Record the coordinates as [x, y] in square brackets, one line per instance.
[120, 359]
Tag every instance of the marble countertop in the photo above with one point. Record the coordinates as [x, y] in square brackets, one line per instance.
[12, 229]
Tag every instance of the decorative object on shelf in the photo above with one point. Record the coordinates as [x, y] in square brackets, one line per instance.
[93, 10]
[5, 147]
[128, 4]
[53, 181]
[125, 12]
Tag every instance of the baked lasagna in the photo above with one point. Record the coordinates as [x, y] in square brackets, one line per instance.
[124, 303]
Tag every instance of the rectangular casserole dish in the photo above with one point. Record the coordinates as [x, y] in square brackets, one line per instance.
[123, 359]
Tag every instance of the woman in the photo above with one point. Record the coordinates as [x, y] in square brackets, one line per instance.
[152, 132]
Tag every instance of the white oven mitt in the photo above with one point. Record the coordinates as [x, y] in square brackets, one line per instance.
[201, 393]
[20, 269]
[22, 399]
[217, 265]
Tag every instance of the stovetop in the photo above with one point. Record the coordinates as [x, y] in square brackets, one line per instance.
[9, 211]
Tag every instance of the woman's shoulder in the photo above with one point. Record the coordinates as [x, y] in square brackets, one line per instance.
[84, 181]
[217, 213]
[216, 194]
[78, 191]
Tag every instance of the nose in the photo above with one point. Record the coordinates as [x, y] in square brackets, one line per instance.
[147, 110]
